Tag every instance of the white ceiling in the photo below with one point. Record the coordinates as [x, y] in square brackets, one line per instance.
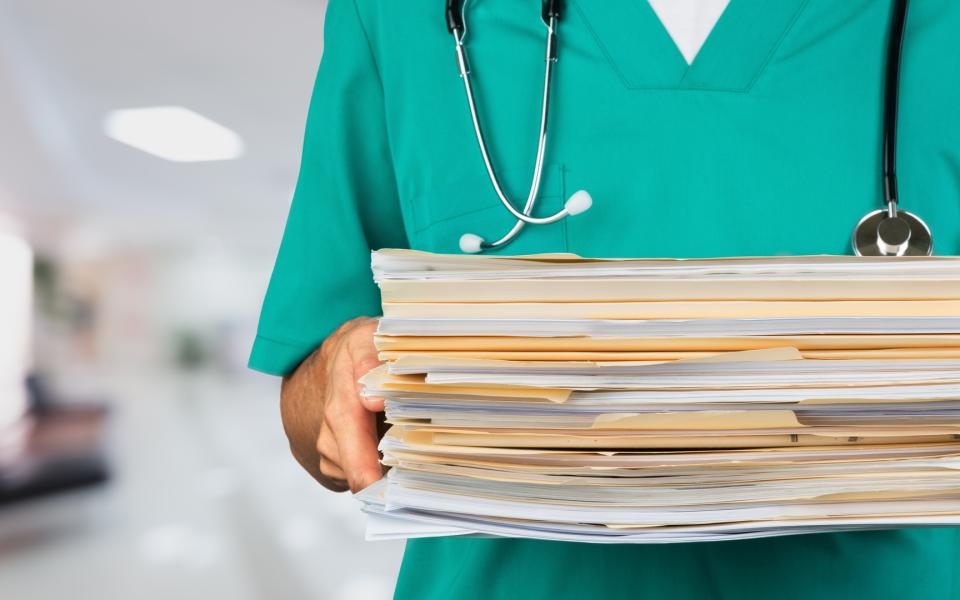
[248, 64]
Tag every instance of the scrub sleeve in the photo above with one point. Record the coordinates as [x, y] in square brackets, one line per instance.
[345, 205]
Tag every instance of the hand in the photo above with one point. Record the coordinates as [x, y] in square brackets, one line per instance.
[332, 429]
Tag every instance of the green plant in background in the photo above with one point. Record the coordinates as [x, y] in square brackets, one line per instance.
[45, 285]
[190, 350]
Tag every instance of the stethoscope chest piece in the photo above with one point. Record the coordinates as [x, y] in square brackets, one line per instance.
[890, 231]
[880, 234]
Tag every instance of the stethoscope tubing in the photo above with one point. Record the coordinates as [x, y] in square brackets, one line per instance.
[891, 105]
[525, 216]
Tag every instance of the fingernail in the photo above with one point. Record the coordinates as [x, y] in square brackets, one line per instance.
[373, 403]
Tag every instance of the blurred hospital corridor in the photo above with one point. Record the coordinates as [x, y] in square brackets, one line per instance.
[148, 153]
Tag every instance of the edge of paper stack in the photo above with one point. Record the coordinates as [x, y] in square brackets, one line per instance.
[665, 400]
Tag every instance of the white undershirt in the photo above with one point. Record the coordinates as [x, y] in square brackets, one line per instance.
[689, 22]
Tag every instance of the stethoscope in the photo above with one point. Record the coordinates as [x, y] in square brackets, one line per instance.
[886, 231]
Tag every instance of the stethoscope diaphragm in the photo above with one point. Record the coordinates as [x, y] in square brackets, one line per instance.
[902, 234]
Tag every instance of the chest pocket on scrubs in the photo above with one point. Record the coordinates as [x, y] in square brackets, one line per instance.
[641, 52]
[469, 205]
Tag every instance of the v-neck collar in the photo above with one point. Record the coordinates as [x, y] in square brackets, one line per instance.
[641, 51]
[747, 34]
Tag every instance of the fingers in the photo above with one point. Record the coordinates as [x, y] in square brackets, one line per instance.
[333, 431]
[331, 470]
[360, 459]
[365, 358]
[353, 427]
[329, 454]
[373, 404]
[348, 438]
[331, 483]
[363, 366]
[331, 474]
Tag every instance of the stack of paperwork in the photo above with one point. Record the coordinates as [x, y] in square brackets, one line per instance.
[665, 400]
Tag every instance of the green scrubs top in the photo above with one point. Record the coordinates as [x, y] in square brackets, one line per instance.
[769, 143]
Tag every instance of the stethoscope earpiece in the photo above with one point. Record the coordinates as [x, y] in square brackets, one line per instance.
[579, 202]
[471, 243]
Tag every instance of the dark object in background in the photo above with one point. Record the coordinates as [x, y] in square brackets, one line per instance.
[56, 447]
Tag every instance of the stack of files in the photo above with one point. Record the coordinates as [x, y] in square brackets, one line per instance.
[665, 400]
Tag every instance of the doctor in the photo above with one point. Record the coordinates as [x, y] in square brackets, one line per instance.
[766, 138]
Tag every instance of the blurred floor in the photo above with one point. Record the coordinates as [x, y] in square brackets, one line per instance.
[205, 503]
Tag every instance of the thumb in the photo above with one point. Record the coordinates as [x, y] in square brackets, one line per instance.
[372, 403]
[363, 366]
